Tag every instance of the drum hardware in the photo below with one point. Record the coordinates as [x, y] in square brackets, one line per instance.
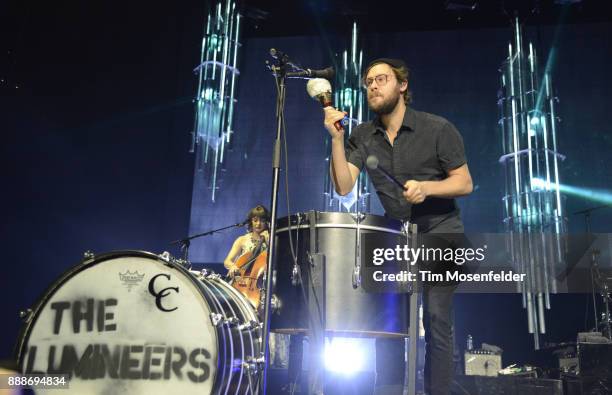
[300, 217]
[249, 325]
[275, 303]
[296, 274]
[165, 256]
[356, 276]
[88, 255]
[232, 321]
[219, 320]
[310, 258]
[253, 366]
[170, 260]
[214, 276]
[216, 318]
[183, 263]
[26, 315]
[199, 274]
[253, 362]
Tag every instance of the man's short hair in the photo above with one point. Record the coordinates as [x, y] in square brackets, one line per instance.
[401, 71]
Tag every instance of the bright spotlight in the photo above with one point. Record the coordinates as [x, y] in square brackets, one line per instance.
[344, 355]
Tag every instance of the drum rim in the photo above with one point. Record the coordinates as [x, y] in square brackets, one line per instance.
[87, 262]
[343, 226]
[392, 225]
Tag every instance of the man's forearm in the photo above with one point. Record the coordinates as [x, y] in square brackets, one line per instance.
[338, 168]
[451, 187]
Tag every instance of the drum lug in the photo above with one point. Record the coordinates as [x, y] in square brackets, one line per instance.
[170, 260]
[26, 315]
[183, 263]
[295, 275]
[358, 217]
[200, 274]
[216, 318]
[253, 364]
[248, 325]
[88, 255]
[275, 303]
[232, 321]
[165, 256]
[214, 276]
[356, 279]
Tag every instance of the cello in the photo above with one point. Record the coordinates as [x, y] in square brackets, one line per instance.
[249, 279]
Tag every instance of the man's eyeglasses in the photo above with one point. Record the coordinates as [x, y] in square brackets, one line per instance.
[381, 80]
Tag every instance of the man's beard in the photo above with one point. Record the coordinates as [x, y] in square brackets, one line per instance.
[387, 106]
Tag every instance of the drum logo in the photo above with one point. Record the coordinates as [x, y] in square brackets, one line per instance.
[162, 293]
[131, 279]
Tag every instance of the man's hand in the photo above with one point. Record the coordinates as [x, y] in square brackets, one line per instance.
[331, 117]
[415, 192]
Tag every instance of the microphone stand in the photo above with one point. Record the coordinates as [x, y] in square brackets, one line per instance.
[280, 73]
[186, 242]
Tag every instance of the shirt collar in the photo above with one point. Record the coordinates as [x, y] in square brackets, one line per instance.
[409, 122]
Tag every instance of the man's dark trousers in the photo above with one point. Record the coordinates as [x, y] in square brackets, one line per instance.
[439, 337]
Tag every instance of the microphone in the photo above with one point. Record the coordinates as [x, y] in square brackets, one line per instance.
[320, 89]
[327, 73]
[372, 163]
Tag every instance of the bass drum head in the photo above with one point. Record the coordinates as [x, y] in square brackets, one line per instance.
[124, 323]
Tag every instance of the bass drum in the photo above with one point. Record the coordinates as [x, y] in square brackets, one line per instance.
[133, 322]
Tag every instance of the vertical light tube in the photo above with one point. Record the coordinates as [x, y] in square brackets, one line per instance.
[215, 105]
[534, 214]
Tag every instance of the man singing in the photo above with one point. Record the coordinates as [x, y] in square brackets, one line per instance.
[424, 152]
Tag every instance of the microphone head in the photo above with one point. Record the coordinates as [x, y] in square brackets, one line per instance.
[372, 162]
[327, 73]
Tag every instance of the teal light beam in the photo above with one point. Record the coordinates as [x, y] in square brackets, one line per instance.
[595, 195]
